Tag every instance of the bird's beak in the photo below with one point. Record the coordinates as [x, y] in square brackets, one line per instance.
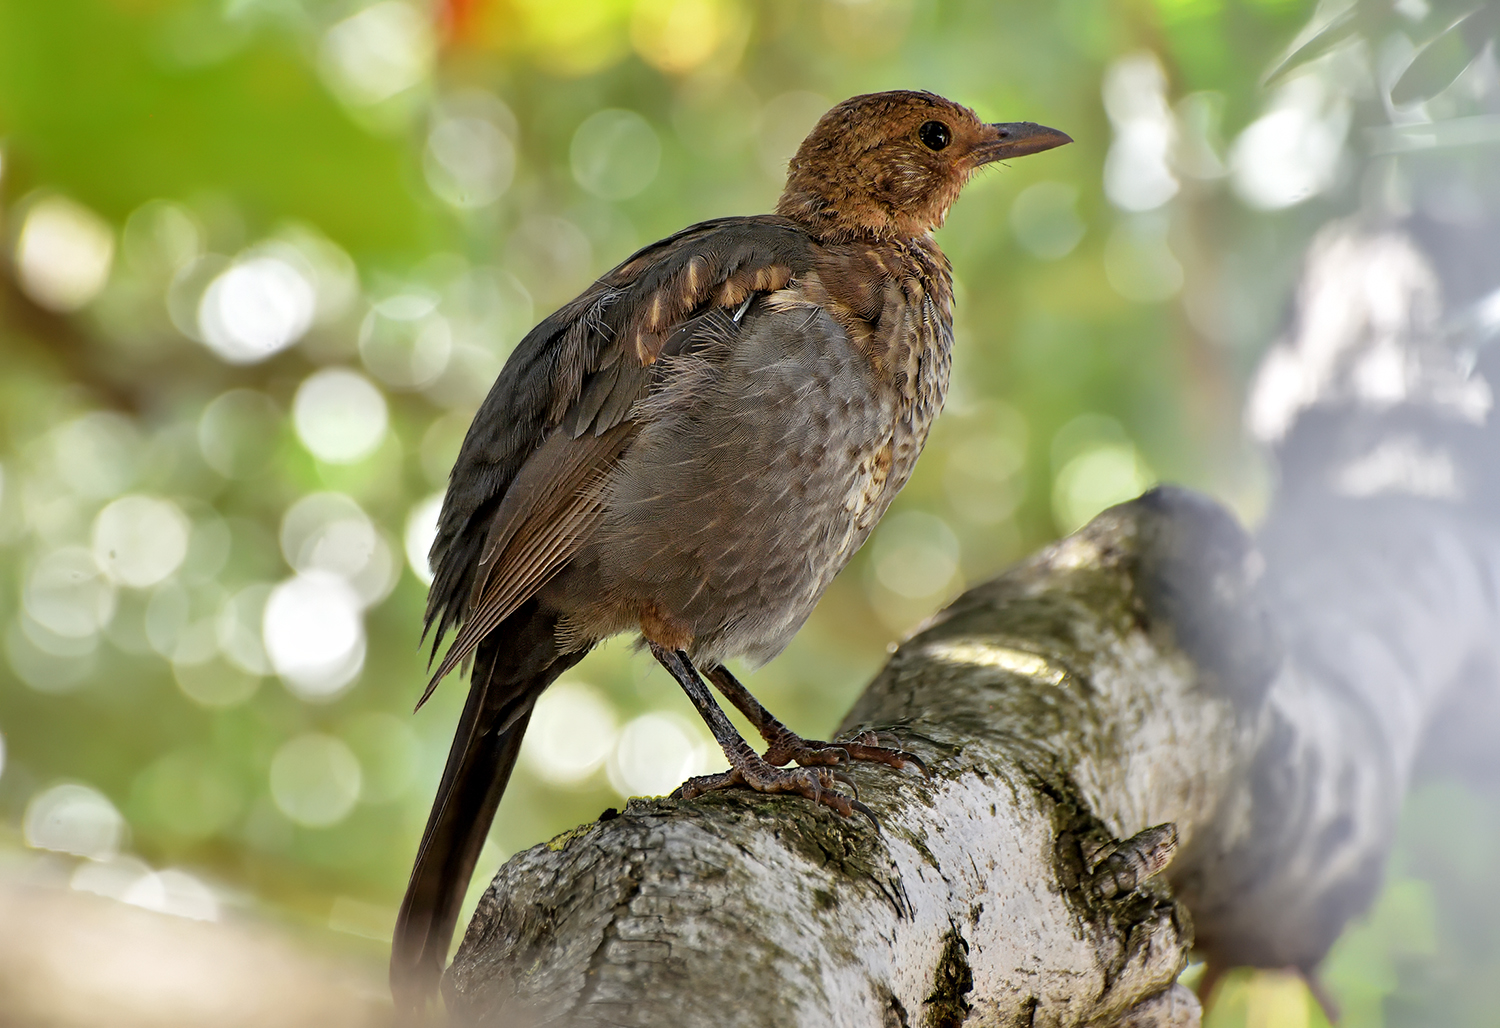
[1015, 139]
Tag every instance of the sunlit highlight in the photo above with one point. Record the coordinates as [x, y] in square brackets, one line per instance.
[76, 819]
[373, 55]
[978, 653]
[421, 530]
[314, 635]
[654, 754]
[573, 730]
[1136, 172]
[256, 308]
[63, 254]
[140, 540]
[339, 415]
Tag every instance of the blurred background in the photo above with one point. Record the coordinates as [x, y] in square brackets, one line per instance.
[263, 258]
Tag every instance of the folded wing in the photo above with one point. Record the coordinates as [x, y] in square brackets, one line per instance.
[529, 484]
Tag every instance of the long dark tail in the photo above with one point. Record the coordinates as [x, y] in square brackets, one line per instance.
[512, 666]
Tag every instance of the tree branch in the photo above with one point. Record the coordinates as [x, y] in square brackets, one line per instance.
[1072, 746]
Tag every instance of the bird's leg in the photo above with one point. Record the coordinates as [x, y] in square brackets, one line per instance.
[746, 767]
[785, 745]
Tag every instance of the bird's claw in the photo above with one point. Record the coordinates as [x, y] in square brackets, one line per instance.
[867, 746]
[815, 784]
[817, 753]
[792, 748]
[844, 779]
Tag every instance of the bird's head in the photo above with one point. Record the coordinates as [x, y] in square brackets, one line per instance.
[889, 165]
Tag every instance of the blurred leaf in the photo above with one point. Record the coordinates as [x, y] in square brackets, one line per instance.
[1348, 24]
[1445, 58]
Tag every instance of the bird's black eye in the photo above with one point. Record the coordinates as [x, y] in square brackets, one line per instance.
[934, 135]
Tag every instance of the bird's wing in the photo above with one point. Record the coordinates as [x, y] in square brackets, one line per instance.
[527, 487]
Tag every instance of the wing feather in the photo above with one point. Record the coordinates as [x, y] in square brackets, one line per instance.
[527, 488]
[552, 506]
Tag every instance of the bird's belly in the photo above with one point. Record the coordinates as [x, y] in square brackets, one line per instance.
[733, 511]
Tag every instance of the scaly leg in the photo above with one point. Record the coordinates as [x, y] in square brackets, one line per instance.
[785, 745]
[746, 768]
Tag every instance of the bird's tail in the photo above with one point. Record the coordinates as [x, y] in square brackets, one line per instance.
[513, 665]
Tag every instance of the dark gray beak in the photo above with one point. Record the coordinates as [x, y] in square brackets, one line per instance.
[1016, 139]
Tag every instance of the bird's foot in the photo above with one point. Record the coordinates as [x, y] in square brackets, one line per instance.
[788, 746]
[753, 773]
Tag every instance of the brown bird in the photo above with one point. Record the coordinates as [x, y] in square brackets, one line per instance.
[692, 449]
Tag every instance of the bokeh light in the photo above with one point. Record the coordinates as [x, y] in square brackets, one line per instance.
[237, 433]
[187, 794]
[1137, 175]
[573, 731]
[67, 594]
[1045, 219]
[255, 308]
[679, 35]
[915, 555]
[1291, 153]
[339, 415]
[161, 237]
[314, 636]
[315, 780]
[238, 629]
[64, 253]
[983, 478]
[1100, 476]
[96, 454]
[328, 532]
[654, 754]
[140, 540]
[405, 342]
[470, 157]
[213, 683]
[377, 53]
[111, 877]
[173, 892]
[74, 818]
[48, 663]
[615, 154]
[421, 530]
